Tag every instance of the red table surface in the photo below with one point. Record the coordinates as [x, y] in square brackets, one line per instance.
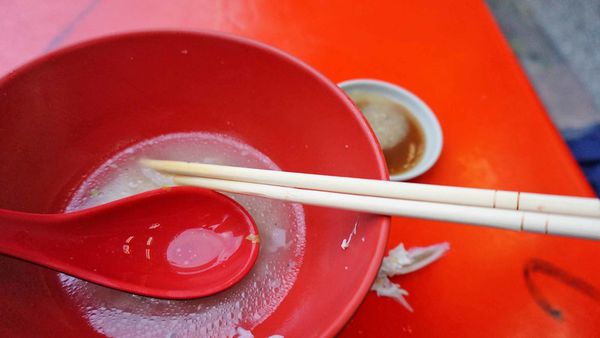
[497, 135]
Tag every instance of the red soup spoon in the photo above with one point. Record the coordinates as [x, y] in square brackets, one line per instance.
[176, 243]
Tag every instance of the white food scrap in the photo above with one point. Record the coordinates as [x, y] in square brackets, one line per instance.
[253, 238]
[386, 288]
[401, 261]
[345, 244]
[243, 333]
[346, 241]
[278, 240]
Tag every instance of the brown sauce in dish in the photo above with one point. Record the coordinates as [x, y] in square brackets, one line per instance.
[398, 131]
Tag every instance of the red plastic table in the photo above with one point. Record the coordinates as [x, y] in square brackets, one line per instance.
[497, 135]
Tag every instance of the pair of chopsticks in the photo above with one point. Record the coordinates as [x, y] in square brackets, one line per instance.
[540, 213]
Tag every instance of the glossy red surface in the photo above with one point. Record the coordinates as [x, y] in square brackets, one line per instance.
[496, 135]
[74, 109]
[170, 243]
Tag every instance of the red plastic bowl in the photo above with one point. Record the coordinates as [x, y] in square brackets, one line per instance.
[65, 113]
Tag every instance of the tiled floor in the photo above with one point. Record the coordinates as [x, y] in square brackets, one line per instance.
[558, 43]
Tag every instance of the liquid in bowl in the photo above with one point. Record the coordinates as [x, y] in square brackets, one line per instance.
[246, 304]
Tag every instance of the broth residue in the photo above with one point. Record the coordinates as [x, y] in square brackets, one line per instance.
[398, 132]
[281, 225]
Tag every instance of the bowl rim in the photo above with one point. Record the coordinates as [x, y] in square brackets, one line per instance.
[404, 96]
[355, 301]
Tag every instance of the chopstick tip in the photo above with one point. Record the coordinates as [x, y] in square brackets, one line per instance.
[149, 163]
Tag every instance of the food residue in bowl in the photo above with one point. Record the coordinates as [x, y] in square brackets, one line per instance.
[399, 133]
[253, 238]
[401, 261]
[246, 304]
[346, 241]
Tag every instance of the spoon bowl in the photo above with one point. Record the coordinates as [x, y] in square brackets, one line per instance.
[175, 243]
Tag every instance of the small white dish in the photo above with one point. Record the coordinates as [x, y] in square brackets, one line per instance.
[418, 109]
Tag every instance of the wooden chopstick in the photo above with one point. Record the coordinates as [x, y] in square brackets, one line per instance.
[574, 226]
[512, 200]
